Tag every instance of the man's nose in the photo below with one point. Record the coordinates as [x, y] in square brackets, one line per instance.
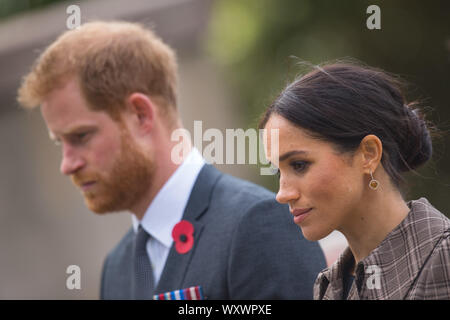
[71, 161]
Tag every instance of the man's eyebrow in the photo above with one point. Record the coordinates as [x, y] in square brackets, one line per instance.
[69, 132]
[291, 153]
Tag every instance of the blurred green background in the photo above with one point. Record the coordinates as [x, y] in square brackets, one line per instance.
[235, 56]
[12, 7]
[258, 44]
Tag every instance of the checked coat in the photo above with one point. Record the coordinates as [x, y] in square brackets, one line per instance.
[412, 262]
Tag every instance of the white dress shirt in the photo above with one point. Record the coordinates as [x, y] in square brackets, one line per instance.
[167, 209]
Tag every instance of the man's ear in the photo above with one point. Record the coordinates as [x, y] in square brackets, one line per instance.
[371, 149]
[142, 111]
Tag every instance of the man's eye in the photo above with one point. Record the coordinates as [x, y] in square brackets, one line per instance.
[80, 137]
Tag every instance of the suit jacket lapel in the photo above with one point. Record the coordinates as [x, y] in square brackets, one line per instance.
[177, 264]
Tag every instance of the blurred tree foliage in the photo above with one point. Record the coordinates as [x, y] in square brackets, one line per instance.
[12, 7]
[254, 40]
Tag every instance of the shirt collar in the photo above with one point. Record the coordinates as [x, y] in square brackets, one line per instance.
[168, 206]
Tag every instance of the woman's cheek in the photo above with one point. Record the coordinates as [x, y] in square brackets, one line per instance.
[322, 187]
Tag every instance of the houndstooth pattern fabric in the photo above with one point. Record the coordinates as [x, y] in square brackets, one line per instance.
[143, 284]
[412, 262]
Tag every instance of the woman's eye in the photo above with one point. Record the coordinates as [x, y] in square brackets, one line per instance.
[299, 166]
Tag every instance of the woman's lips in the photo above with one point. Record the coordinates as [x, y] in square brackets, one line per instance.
[300, 214]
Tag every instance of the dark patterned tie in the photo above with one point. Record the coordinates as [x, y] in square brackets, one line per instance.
[143, 274]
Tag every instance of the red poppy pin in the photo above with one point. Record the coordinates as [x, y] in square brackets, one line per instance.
[183, 235]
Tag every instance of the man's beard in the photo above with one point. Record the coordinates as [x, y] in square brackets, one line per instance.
[124, 186]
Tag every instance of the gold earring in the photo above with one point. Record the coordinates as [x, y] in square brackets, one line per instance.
[373, 184]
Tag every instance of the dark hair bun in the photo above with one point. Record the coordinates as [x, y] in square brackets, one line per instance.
[341, 103]
[417, 149]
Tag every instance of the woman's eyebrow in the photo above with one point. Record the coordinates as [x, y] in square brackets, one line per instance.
[291, 153]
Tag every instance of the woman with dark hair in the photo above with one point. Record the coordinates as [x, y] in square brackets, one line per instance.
[346, 134]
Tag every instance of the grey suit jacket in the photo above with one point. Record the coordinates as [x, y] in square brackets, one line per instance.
[246, 246]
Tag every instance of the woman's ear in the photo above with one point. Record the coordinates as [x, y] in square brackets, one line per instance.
[371, 149]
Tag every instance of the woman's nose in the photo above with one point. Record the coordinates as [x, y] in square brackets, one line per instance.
[286, 193]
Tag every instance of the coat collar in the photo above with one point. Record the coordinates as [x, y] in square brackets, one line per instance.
[398, 258]
[177, 264]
